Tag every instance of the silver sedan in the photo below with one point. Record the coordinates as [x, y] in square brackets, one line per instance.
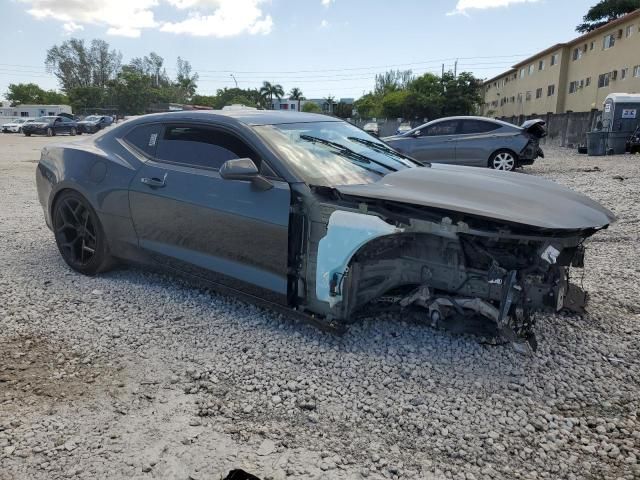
[473, 141]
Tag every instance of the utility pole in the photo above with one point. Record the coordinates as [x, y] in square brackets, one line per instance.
[455, 69]
[234, 79]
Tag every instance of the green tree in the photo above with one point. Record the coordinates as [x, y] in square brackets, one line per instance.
[296, 94]
[400, 104]
[369, 106]
[343, 110]
[26, 93]
[392, 80]
[270, 90]
[132, 91]
[462, 94]
[82, 98]
[604, 12]
[185, 80]
[76, 65]
[311, 107]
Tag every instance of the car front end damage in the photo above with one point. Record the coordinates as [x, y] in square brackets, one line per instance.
[356, 251]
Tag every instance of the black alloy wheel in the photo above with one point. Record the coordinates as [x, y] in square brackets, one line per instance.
[79, 234]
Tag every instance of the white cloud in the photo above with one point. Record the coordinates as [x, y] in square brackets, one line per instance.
[463, 6]
[71, 27]
[324, 24]
[123, 17]
[220, 18]
[128, 18]
[327, 3]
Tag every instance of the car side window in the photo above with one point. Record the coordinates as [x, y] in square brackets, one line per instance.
[144, 138]
[440, 128]
[201, 147]
[477, 126]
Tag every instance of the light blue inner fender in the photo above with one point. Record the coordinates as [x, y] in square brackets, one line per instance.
[346, 233]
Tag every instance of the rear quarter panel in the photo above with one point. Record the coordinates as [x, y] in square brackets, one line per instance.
[101, 171]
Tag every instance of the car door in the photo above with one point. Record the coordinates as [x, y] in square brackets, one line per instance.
[436, 142]
[475, 142]
[58, 125]
[191, 219]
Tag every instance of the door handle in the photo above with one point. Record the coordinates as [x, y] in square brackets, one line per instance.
[154, 182]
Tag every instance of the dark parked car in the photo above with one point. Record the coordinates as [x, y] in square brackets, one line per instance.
[94, 123]
[473, 141]
[49, 126]
[315, 217]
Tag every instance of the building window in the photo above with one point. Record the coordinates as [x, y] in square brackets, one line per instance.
[513, 99]
[554, 59]
[531, 69]
[541, 65]
[593, 44]
[528, 96]
[519, 98]
[577, 54]
[551, 90]
[522, 72]
[24, 114]
[624, 72]
[573, 87]
[603, 80]
[539, 93]
[636, 71]
[608, 42]
[588, 81]
[629, 31]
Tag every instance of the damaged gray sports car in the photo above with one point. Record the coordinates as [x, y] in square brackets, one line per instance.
[314, 216]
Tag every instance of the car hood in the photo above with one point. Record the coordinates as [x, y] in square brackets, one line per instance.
[511, 197]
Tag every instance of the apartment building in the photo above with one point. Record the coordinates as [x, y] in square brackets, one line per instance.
[575, 76]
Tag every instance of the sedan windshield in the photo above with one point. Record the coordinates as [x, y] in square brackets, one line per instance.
[333, 153]
[45, 119]
[92, 118]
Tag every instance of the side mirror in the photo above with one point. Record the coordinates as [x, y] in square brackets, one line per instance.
[244, 169]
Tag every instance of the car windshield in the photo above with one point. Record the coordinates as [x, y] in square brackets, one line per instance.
[92, 118]
[45, 119]
[333, 153]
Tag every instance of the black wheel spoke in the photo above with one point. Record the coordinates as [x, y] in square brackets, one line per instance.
[75, 231]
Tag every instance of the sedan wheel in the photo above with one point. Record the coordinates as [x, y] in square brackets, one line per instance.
[49, 132]
[503, 161]
[73, 131]
[79, 235]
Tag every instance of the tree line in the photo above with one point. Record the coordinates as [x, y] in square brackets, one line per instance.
[400, 94]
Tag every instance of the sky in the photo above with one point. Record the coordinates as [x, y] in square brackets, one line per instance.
[323, 47]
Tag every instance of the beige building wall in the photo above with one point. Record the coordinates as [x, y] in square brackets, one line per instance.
[619, 62]
[535, 88]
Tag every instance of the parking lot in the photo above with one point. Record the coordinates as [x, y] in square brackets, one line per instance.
[134, 374]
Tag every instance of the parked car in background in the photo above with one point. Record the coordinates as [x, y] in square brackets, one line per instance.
[14, 126]
[49, 126]
[341, 219]
[473, 141]
[94, 123]
[403, 128]
[372, 128]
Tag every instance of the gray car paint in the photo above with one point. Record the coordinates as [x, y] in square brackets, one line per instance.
[512, 197]
[461, 149]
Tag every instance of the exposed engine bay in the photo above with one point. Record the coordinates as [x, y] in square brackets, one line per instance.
[357, 252]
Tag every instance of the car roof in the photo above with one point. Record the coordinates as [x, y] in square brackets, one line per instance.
[248, 117]
[471, 117]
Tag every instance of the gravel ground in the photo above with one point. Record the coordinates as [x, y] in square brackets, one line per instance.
[138, 375]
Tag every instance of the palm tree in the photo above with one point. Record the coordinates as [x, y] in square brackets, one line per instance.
[270, 90]
[330, 100]
[296, 94]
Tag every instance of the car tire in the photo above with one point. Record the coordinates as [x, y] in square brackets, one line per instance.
[20, 130]
[27, 134]
[79, 234]
[504, 160]
[73, 131]
[49, 132]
